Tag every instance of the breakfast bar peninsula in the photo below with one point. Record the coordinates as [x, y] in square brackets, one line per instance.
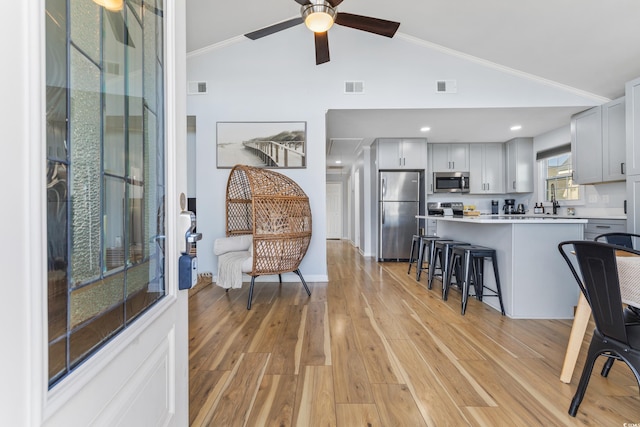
[535, 280]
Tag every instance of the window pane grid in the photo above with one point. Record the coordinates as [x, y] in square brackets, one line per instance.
[559, 182]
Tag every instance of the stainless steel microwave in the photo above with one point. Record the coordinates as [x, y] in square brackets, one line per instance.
[451, 182]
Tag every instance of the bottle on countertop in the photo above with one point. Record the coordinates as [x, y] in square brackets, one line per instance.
[536, 209]
[541, 208]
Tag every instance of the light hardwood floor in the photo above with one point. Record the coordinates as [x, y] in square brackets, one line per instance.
[373, 347]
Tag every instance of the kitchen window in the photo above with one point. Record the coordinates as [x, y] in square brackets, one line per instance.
[556, 174]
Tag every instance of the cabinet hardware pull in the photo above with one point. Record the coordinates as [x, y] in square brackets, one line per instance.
[603, 226]
[622, 168]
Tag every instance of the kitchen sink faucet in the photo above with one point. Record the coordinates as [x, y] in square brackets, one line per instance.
[554, 203]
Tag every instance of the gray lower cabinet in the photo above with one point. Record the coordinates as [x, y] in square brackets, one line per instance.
[596, 227]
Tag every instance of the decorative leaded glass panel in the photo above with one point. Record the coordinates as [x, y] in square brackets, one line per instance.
[86, 166]
[114, 222]
[85, 19]
[90, 300]
[105, 173]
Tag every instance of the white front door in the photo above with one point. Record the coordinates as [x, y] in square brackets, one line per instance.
[139, 376]
[334, 210]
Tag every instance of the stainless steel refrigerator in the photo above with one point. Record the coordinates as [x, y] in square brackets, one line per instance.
[399, 203]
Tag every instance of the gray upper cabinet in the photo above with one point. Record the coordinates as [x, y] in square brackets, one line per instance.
[398, 153]
[486, 168]
[519, 152]
[598, 143]
[450, 157]
[613, 140]
[586, 146]
[632, 122]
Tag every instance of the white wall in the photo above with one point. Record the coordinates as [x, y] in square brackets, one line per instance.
[275, 78]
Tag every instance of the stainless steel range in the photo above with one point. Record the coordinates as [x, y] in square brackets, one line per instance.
[445, 208]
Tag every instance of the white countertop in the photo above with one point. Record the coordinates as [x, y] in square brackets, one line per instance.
[508, 219]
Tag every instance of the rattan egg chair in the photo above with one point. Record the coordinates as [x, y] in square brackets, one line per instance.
[274, 209]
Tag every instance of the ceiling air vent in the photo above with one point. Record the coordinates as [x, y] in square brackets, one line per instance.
[446, 86]
[353, 87]
[197, 88]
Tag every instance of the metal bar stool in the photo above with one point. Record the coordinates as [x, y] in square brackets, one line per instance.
[426, 243]
[415, 241]
[472, 258]
[440, 255]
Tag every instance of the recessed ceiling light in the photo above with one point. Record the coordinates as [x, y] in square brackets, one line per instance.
[338, 162]
[425, 129]
[516, 127]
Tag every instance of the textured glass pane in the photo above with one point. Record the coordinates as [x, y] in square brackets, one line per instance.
[114, 222]
[114, 88]
[91, 300]
[154, 161]
[114, 136]
[135, 56]
[91, 335]
[85, 27]
[150, 55]
[136, 224]
[140, 301]
[57, 303]
[135, 6]
[56, 32]
[138, 278]
[136, 150]
[57, 359]
[86, 167]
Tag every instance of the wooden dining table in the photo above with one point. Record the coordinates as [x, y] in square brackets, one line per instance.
[629, 277]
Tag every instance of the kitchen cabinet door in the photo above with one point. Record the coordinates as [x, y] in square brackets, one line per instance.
[413, 153]
[520, 163]
[486, 168]
[450, 157]
[429, 168]
[586, 146]
[633, 204]
[632, 123]
[494, 168]
[613, 140]
[398, 154]
[389, 154]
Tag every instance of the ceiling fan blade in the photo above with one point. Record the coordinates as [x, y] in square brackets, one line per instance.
[365, 23]
[334, 3]
[274, 28]
[303, 2]
[322, 47]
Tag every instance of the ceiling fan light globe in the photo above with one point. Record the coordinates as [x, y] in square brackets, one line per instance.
[318, 17]
[112, 5]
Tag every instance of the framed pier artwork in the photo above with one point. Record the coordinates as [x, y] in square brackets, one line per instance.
[261, 144]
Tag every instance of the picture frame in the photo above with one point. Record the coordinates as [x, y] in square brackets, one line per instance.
[270, 145]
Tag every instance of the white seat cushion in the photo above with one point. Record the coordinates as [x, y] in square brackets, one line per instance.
[233, 244]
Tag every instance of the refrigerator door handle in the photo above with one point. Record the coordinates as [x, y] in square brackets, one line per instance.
[383, 210]
[384, 188]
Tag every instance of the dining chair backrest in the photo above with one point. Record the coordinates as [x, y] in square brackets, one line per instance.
[599, 282]
[618, 238]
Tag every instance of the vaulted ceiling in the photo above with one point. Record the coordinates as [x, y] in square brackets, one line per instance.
[592, 46]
